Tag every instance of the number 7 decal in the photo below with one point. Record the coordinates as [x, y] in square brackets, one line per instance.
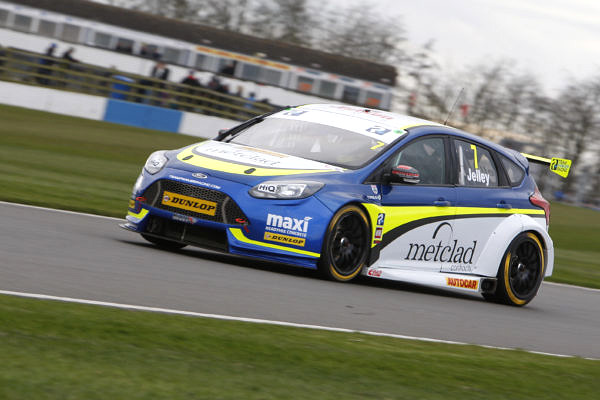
[475, 154]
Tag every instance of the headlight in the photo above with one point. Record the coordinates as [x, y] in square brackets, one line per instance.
[138, 184]
[156, 162]
[285, 189]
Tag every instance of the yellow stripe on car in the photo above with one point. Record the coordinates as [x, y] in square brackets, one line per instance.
[188, 156]
[141, 215]
[239, 235]
[396, 216]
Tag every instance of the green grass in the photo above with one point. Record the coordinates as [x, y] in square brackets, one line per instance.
[76, 164]
[71, 163]
[54, 350]
[576, 235]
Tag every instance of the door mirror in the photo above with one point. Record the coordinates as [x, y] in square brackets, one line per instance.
[404, 174]
[222, 134]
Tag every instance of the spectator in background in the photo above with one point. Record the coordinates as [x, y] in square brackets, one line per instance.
[240, 91]
[68, 55]
[160, 71]
[191, 79]
[48, 61]
[193, 83]
[2, 55]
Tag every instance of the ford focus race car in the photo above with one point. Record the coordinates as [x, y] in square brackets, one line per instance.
[350, 191]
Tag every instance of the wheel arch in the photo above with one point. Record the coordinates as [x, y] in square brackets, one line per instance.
[492, 255]
[530, 225]
[352, 202]
[324, 263]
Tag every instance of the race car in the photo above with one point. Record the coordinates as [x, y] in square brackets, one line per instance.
[351, 190]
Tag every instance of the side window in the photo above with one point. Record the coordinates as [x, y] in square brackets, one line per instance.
[514, 172]
[475, 165]
[427, 156]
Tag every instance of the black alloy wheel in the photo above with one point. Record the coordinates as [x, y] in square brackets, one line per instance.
[521, 271]
[346, 244]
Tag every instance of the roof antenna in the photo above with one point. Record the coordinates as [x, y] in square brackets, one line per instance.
[454, 105]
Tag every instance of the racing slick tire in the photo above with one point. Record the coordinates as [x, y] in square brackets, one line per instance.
[164, 243]
[346, 244]
[521, 271]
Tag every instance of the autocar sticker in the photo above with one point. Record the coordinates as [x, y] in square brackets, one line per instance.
[230, 166]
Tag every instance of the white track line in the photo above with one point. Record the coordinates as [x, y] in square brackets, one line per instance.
[65, 211]
[121, 219]
[572, 286]
[260, 321]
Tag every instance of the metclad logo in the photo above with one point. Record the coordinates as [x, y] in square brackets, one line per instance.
[462, 283]
[287, 225]
[275, 237]
[455, 252]
[189, 203]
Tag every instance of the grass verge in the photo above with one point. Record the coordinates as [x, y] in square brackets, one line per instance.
[72, 163]
[76, 164]
[54, 350]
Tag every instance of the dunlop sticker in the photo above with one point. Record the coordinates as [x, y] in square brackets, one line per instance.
[189, 203]
[276, 237]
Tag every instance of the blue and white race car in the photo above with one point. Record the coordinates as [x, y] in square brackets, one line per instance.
[349, 191]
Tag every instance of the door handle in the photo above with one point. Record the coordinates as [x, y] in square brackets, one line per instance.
[442, 203]
[504, 205]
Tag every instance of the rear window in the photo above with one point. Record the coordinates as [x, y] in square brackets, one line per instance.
[514, 172]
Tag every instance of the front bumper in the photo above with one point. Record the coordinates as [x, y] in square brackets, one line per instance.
[240, 224]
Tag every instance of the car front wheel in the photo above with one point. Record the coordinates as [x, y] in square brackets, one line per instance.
[346, 245]
[521, 271]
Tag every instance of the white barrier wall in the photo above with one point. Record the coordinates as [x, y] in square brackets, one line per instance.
[54, 101]
[204, 126]
[94, 107]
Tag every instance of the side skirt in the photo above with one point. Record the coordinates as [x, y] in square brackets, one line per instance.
[457, 282]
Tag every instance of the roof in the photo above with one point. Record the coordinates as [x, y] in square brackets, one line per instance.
[380, 125]
[219, 38]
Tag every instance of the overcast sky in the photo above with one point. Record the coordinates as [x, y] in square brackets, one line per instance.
[556, 40]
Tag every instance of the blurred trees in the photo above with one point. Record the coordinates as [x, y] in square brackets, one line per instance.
[495, 96]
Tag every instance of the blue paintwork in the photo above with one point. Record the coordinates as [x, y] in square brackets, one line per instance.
[340, 188]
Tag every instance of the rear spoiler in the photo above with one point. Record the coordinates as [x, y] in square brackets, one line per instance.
[559, 166]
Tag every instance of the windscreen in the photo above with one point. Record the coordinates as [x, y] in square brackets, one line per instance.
[318, 142]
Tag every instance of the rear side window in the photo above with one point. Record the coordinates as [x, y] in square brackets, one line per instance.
[514, 172]
[475, 165]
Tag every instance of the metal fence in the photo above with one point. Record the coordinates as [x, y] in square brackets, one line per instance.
[35, 69]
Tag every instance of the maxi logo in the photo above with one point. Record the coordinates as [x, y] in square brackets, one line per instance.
[455, 252]
[287, 225]
[189, 203]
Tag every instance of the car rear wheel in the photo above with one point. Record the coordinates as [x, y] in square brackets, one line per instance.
[521, 271]
[164, 243]
[346, 244]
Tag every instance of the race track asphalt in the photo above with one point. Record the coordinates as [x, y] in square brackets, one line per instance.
[81, 256]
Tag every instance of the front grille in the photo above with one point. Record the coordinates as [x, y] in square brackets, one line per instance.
[191, 234]
[227, 211]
